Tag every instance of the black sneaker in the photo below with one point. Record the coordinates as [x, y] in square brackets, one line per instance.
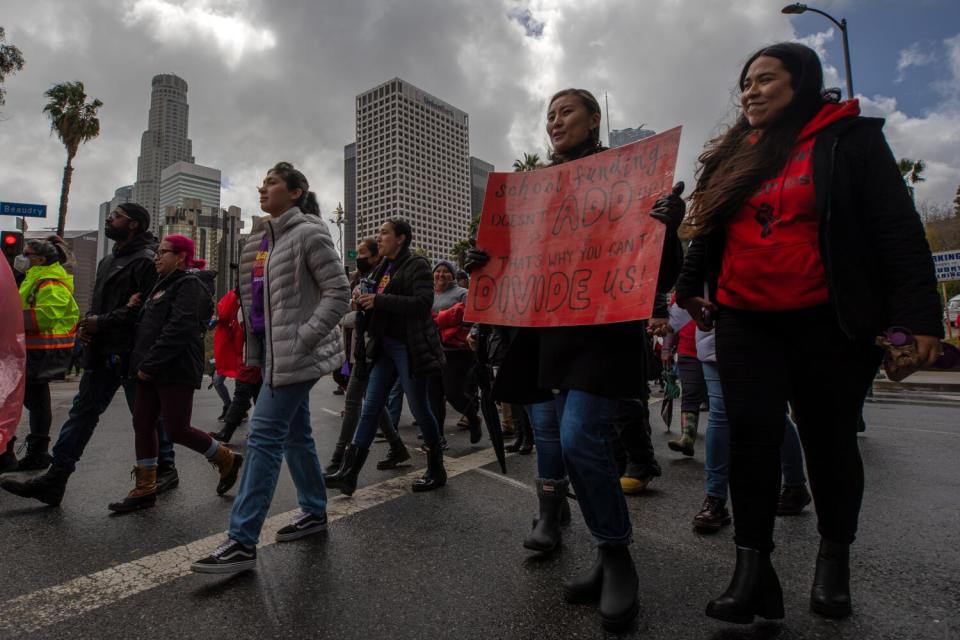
[792, 500]
[303, 524]
[229, 557]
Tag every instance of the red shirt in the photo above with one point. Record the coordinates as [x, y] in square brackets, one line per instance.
[772, 257]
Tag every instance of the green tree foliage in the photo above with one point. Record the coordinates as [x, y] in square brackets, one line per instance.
[75, 121]
[528, 162]
[11, 61]
[911, 171]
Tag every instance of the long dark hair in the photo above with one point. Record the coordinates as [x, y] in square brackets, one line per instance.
[589, 102]
[296, 180]
[733, 167]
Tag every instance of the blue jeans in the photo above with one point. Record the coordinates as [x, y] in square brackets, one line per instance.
[279, 429]
[717, 457]
[390, 367]
[395, 404]
[98, 386]
[580, 428]
[791, 457]
[219, 382]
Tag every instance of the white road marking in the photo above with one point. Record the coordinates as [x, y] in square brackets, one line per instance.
[44, 607]
[945, 433]
[331, 411]
[506, 479]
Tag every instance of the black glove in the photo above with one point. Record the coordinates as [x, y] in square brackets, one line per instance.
[476, 258]
[670, 209]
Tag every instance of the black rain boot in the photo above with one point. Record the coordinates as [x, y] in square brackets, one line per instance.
[37, 458]
[552, 497]
[585, 588]
[8, 460]
[48, 487]
[830, 595]
[167, 476]
[345, 479]
[397, 455]
[618, 597]
[519, 442]
[527, 429]
[436, 475]
[753, 591]
[335, 460]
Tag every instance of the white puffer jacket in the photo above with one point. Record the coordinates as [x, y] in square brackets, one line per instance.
[305, 295]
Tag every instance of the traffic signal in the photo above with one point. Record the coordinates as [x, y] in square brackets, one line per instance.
[12, 244]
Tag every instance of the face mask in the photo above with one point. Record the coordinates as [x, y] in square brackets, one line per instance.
[363, 265]
[21, 263]
[114, 234]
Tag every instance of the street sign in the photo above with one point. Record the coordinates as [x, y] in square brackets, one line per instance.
[352, 254]
[22, 210]
[947, 264]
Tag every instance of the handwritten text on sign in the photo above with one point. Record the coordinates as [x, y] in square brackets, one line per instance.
[574, 244]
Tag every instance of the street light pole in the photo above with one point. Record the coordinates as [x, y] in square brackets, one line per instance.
[338, 220]
[798, 8]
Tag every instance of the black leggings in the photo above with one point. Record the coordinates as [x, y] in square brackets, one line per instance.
[36, 400]
[767, 359]
[457, 384]
[693, 389]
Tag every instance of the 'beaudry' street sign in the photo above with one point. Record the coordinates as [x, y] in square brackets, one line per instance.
[22, 210]
[947, 264]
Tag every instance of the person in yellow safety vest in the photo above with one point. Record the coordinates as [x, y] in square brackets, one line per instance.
[50, 316]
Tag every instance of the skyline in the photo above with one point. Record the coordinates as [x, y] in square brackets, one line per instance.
[270, 84]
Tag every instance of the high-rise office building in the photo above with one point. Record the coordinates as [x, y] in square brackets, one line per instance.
[413, 160]
[350, 202]
[186, 180]
[479, 171]
[620, 137]
[215, 233]
[121, 195]
[164, 142]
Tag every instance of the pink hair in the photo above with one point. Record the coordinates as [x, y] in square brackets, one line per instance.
[185, 246]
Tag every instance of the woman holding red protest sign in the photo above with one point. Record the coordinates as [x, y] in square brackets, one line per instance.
[810, 246]
[591, 368]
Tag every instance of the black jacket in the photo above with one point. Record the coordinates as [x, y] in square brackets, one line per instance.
[608, 360]
[172, 321]
[877, 261]
[126, 271]
[407, 301]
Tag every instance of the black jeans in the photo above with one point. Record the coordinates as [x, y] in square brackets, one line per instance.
[767, 359]
[98, 385]
[244, 395]
[457, 384]
[36, 400]
[692, 386]
[632, 422]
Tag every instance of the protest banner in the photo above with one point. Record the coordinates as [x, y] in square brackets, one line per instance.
[574, 244]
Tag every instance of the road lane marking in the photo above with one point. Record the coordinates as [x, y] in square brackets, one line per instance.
[331, 412]
[506, 479]
[944, 433]
[50, 605]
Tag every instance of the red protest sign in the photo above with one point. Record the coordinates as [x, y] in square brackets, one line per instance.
[574, 244]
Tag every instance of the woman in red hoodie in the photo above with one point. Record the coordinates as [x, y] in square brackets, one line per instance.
[810, 246]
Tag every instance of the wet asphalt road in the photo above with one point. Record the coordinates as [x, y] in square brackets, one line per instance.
[449, 564]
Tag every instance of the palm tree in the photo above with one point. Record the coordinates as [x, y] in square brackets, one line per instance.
[11, 61]
[529, 162]
[75, 121]
[911, 170]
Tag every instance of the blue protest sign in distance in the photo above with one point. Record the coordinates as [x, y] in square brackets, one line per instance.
[22, 210]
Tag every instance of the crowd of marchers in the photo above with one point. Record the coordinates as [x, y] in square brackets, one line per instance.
[798, 245]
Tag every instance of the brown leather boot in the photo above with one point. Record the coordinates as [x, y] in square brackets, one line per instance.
[228, 464]
[144, 493]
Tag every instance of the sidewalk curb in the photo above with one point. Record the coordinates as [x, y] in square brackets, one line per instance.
[939, 387]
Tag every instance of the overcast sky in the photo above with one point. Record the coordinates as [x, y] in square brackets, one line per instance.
[275, 81]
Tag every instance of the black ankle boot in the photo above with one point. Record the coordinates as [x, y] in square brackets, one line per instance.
[335, 460]
[830, 595]
[397, 455]
[436, 475]
[8, 460]
[754, 590]
[345, 479]
[618, 597]
[47, 488]
[519, 442]
[552, 496]
[37, 458]
[585, 588]
[225, 434]
[527, 430]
